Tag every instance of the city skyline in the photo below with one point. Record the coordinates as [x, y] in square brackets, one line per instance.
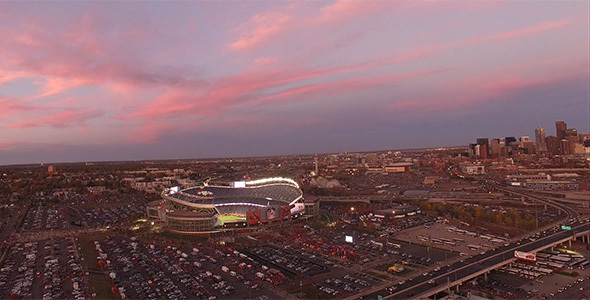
[131, 81]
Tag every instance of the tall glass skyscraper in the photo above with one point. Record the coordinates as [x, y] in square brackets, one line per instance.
[540, 139]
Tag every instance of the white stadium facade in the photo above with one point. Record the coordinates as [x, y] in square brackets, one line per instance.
[212, 207]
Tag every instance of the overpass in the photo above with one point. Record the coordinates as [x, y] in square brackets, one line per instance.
[572, 213]
[461, 272]
[499, 259]
[481, 264]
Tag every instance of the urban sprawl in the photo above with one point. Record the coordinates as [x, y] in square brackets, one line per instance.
[500, 218]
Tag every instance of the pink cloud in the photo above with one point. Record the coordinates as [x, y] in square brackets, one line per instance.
[77, 117]
[167, 105]
[248, 87]
[12, 107]
[439, 103]
[56, 85]
[6, 146]
[482, 89]
[150, 132]
[263, 26]
[259, 28]
[349, 9]
[512, 34]
[526, 31]
[349, 85]
[518, 83]
[9, 75]
[262, 61]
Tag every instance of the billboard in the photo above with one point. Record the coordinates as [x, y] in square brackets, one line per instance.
[525, 256]
[299, 207]
[239, 184]
[285, 212]
[271, 213]
[253, 217]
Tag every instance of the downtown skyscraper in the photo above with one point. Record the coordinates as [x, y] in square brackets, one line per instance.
[540, 139]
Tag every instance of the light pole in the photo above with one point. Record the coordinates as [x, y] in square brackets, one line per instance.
[536, 217]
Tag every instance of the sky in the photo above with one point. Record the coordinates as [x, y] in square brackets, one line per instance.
[134, 80]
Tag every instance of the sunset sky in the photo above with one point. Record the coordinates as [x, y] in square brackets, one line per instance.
[92, 81]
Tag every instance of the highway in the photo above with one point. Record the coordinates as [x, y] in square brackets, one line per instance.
[465, 269]
[572, 213]
[418, 287]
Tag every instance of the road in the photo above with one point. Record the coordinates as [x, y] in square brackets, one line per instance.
[11, 227]
[419, 285]
[572, 213]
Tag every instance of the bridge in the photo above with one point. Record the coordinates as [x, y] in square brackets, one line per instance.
[459, 273]
[456, 274]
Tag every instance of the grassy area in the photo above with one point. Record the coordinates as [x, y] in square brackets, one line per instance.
[242, 240]
[101, 285]
[405, 272]
[571, 274]
[382, 276]
[385, 268]
[228, 218]
[98, 283]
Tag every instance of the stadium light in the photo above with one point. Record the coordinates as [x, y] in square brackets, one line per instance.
[268, 180]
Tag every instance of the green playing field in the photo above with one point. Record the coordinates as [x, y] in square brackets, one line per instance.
[231, 218]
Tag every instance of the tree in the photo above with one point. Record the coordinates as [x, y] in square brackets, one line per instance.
[508, 221]
[478, 212]
[499, 218]
[371, 227]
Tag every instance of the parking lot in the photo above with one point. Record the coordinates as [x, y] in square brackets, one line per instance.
[424, 236]
[346, 284]
[290, 263]
[149, 271]
[47, 269]
[556, 286]
[102, 217]
[45, 218]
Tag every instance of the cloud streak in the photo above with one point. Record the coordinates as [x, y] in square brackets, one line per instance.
[68, 118]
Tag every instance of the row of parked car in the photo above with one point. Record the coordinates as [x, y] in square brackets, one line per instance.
[45, 218]
[345, 285]
[47, 269]
[99, 218]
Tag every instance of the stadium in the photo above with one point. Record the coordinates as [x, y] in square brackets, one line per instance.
[210, 207]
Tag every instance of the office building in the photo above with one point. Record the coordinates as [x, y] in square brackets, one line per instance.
[571, 132]
[372, 160]
[51, 170]
[509, 140]
[564, 147]
[495, 149]
[540, 139]
[483, 147]
[560, 128]
[553, 145]
[529, 147]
